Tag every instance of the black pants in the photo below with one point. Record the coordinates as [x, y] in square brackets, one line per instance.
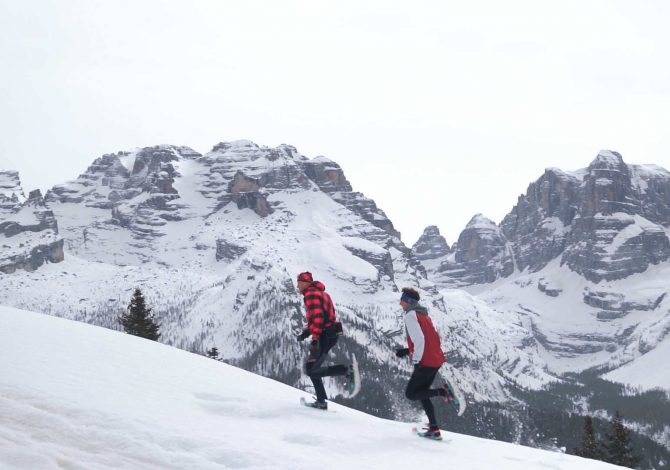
[316, 370]
[418, 388]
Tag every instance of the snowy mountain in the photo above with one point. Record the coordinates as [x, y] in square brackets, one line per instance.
[29, 230]
[101, 399]
[581, 262]
[582, 259]
[215, 242]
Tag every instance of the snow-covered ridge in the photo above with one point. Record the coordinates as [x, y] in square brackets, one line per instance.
[105, 400]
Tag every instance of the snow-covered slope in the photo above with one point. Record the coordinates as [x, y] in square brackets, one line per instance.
[77, 396]
[572, 322]
[648, 371]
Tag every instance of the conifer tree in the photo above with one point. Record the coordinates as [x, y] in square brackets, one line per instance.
[618, 445]
[213, 353]
[138, 319]
[590, 448]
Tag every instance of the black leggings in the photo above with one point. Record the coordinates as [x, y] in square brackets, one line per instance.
[418, 388]
[316, 370]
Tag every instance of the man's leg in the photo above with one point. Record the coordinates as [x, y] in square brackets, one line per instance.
[418, 388]
[338, 369]
[316, 371]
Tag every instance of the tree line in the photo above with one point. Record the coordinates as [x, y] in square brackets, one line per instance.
[614, 448]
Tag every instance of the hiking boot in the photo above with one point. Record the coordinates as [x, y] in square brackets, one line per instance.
[447, 393]
[320, 405]
[432, 432]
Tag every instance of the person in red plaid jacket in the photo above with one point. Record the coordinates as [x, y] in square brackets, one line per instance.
[321, 328]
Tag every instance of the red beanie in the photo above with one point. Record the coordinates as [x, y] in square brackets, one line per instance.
[306, 276]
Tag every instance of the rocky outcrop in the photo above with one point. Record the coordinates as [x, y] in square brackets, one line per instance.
[539, 223]
[245, 193]
[228, 251]
[28, 229]
[329, 177]
[545, 286]
[615, 304]
[430, 245]
[481, 255]
[379, 258]
[11, 192]
[605, 222]
[610, 237]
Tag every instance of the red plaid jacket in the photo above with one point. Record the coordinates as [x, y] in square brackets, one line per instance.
[320, 309]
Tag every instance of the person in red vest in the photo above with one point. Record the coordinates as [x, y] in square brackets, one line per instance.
[426, 354]
[322, 327]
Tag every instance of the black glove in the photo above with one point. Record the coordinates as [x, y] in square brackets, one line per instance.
[303, 336]
[313, 352]
[402, 352]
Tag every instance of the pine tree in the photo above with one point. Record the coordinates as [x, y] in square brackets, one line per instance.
[618, 446]
[213, 353]
[590, 448]
[138, 319]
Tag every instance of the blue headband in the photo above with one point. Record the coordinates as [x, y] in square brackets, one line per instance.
[408, 299]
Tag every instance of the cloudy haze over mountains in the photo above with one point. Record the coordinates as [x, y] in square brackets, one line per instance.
[464, 102]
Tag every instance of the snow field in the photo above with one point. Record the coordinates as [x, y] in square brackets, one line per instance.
[76, 396]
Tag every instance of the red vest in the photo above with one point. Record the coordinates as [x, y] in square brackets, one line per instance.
[432, 349]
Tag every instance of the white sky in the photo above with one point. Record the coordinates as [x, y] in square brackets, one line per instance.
[436, 110]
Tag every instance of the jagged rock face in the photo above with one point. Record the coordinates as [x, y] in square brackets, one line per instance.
[11, 192]
[430, 245]
[134, 199]
[652, 187]
[28, 229]
[481, 254]
[329, 177]
[610, 237]
[606, 188]
[127, 194]
[605, 222]
[614, 246]
[538, 225]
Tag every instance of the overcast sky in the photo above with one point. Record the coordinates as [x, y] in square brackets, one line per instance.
[436, 110]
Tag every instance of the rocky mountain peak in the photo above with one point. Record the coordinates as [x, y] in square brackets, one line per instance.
[481, 255]
[607, 187]
[430, 245]
[604, 222]
[482, 223]
[608, 160]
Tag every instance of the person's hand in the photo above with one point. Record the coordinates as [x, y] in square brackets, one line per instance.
[313, 352]
[402, 352]
[302, 336]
